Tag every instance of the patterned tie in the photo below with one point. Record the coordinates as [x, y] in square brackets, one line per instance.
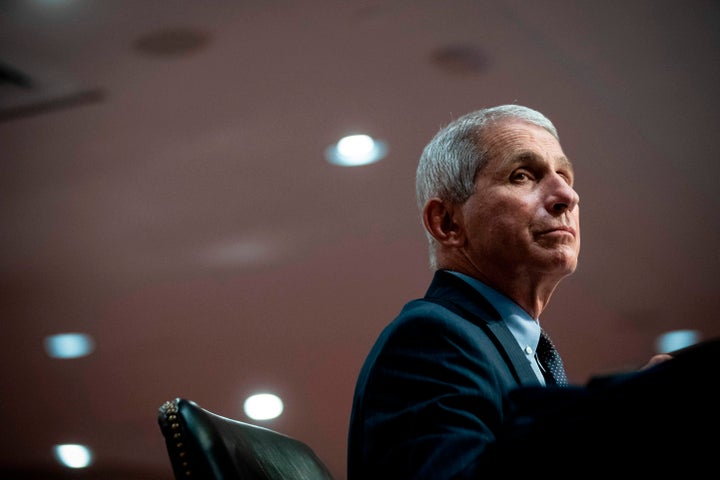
[551, 362]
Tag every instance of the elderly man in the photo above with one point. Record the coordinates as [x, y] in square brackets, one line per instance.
[502, 218]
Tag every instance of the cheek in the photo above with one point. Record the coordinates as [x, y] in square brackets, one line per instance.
[577, 227]
[506, 230]
[500, 218]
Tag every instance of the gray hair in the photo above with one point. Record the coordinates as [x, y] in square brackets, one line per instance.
[450, 162]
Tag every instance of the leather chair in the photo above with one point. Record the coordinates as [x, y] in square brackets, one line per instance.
[207, 446]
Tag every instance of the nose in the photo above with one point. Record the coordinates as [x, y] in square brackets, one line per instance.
[562, 196]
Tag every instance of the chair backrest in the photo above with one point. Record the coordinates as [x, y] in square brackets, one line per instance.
[204, 445]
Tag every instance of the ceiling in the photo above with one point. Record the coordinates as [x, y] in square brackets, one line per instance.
[163, 188]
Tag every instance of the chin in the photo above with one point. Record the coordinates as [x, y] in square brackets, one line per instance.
[563, 264]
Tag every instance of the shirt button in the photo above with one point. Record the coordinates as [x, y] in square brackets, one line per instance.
[528, 350]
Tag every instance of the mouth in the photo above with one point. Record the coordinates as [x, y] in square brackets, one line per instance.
[560, 230]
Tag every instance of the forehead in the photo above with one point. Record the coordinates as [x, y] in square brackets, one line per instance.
[513, 142]
[509, 139]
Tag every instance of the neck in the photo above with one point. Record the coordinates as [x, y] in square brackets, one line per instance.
[531, 294]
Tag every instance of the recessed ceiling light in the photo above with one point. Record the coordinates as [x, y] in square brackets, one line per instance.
[263, 406]
[73, 455]
[69, 345]
[242, 252]
[172, 42]
[675, 340]
[355, 150]
[461, 59]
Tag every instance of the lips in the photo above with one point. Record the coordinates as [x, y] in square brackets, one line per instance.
[559, 229]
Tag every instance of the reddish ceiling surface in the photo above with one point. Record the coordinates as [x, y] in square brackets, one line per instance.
[163, 188]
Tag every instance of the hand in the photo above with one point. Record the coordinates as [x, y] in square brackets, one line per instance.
[656, 359]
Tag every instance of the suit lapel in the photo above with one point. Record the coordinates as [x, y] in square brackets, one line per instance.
[460, 297]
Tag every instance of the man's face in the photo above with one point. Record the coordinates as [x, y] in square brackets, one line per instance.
[524, 217]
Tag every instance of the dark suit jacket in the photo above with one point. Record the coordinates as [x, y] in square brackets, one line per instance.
[431, 394]
[447, 393]
[655, 423]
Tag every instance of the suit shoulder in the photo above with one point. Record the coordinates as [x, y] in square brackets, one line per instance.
[422, 318]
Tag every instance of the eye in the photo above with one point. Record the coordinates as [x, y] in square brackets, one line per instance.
[567, 176]
[521, 176]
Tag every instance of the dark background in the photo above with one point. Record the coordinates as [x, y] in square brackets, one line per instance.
[163, 187]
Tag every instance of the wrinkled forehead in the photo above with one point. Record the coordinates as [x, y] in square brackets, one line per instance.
[515, 137]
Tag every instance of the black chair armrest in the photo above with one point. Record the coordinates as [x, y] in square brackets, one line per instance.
[202, 444]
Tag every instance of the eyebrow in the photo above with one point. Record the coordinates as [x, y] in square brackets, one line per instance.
[531, 155]
[567, 164]
[526, 155]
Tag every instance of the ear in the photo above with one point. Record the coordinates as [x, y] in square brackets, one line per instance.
[443, 221]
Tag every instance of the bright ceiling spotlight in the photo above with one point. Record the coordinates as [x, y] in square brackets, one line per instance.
[73, 455]
[355, 150]
[69, 345]
[675, 340]
[263, 406]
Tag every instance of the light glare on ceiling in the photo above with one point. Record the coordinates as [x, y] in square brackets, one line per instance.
[263, 406]
[69, 345]
[675, 340]
[73, 455]
[355, 150]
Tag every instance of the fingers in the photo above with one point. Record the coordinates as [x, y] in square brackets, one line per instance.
[656, 359]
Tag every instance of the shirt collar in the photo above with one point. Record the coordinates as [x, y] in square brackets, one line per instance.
[524, 328]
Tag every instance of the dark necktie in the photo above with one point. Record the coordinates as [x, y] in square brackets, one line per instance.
[550, 360]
